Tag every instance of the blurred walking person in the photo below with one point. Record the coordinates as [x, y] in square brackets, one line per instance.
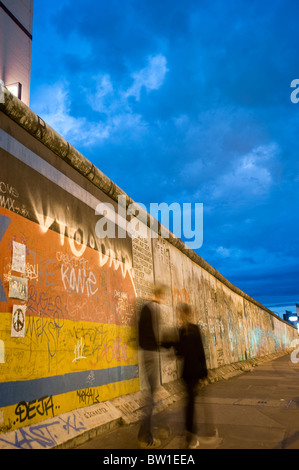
[148, 333]
[189, 347]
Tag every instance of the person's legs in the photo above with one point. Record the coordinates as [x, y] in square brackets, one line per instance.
[208, 427]
[145, 434]
[190, 422]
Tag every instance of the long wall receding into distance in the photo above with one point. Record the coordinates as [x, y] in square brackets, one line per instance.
[69, 300]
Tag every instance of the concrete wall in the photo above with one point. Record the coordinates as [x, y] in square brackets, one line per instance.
[234, 328]
[69, 301]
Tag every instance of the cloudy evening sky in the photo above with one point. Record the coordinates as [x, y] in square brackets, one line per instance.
[186, 101]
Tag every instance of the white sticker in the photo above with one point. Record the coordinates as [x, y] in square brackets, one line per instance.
[18, 257]
[18, 287]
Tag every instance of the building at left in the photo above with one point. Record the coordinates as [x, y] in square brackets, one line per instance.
[15, 46]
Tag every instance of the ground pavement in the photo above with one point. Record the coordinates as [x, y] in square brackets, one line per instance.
[258, 409]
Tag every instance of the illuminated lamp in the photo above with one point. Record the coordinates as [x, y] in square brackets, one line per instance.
[15, 89]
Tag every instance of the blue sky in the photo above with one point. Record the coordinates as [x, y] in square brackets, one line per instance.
[186, 101]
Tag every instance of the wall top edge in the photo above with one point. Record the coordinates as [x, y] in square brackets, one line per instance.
[20, 113]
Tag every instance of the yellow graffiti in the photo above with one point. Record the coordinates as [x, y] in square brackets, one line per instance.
[49, 349]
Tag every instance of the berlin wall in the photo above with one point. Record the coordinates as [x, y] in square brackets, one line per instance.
[69, 300]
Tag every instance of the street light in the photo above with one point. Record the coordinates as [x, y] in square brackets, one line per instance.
[15, 89]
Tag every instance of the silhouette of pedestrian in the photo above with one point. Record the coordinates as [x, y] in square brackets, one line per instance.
[148, 335]
[190, 348]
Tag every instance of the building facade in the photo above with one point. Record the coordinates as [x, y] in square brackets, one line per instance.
[15, 46]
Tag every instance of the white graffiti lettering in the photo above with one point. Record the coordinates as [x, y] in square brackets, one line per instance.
[78, 351]
[78, 280]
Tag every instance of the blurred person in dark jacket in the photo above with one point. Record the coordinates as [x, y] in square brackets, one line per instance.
[189, 347]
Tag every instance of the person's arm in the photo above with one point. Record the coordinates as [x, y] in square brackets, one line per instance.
[170, 340]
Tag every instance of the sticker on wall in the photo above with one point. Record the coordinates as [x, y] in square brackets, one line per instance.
[18, 321]
[18, 287]
[18, 257]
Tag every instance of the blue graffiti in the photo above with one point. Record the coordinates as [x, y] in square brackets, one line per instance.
[46, 319]
[40, 435]
[43, 435]
[69, 426]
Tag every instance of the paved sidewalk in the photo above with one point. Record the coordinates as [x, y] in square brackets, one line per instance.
[258, 409]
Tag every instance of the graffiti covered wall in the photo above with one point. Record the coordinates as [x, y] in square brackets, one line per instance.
[233, 328]
[69, 299]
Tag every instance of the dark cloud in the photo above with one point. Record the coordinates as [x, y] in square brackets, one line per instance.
[189, 102]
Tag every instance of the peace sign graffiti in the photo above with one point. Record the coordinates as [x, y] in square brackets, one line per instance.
[18, 320]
